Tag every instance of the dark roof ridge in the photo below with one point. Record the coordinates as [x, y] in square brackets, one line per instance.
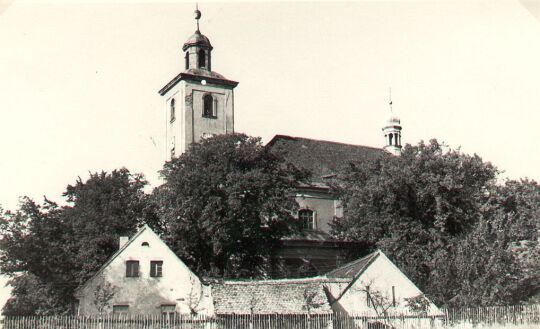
[286, 281]
[369, 257]
[272, 141]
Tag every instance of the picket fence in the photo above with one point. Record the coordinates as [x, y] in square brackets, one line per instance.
[521, 316]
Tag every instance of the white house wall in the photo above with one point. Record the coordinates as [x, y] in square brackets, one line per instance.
[144, 294]
[380, 276]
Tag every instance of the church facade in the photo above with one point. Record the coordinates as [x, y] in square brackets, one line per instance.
[199, 103]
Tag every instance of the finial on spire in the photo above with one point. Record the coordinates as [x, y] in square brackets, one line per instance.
[390, 99]
[197, 14]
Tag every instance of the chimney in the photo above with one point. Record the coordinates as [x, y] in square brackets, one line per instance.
[123, 241]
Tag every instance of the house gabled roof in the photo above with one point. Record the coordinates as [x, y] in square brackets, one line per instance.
[355, 268]
[322, 158]
[120, 250]
[286, 296]
[352, 271]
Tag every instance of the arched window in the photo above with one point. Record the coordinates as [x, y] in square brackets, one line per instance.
[307, 218]
[187, 60]
[145, 244]
[173, 110]
[390, 139]
[208, 106]
[202, 58]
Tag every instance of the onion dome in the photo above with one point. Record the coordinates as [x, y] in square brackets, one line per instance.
[394, 119]
[198, 40]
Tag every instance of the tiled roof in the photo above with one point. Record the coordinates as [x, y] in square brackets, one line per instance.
[322, 158]
[298, 296]
[353, 269]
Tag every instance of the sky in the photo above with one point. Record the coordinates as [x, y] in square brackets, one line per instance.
[79, 80]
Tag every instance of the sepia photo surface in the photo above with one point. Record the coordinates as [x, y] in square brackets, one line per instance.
[80, 81]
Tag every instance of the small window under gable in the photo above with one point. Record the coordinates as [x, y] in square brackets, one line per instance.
[145, 244]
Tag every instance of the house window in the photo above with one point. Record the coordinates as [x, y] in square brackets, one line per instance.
[187, 60]
[145, 244]
[307, 218]
[156, 268]
[202, 58]
[120, 309]
[132, 268]
[393, 296]
[368, 297]
[168, 309]
[173, 110]
[209, 106]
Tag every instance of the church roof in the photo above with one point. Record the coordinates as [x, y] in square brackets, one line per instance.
[286, 296]
[322, 158]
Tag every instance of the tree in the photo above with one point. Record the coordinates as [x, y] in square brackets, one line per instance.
[416, 207]
[49, 250]
[226, 203]
[104, 292]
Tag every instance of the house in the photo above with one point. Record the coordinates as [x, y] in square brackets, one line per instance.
[143, 277]
[371, 285]
[375, 286]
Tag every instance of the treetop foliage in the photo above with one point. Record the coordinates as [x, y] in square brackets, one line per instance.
[440, 214]
[226, 203]
[48, 250]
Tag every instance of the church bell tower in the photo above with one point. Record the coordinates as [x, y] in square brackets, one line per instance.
[199, 102]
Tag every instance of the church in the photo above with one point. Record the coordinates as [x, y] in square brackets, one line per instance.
[199, 103]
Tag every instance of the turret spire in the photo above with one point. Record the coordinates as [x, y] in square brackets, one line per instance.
[392, 130]
[390, 100]
[197, 14]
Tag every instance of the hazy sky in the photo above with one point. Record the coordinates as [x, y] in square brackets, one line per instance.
[79, 82]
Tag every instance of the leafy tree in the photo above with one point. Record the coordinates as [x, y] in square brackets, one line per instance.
[48, 250]
[416, 207]
[226, 203]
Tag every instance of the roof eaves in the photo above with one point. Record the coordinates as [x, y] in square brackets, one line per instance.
[187, 76]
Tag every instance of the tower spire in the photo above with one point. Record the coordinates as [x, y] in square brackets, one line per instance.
[392, 130]
[390, 100]
[197, 14]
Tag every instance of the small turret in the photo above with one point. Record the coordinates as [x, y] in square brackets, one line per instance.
[198, 49]
[392, 133]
